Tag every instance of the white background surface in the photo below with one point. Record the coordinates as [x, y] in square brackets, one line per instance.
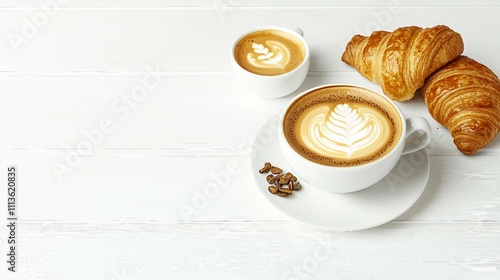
[135, 205]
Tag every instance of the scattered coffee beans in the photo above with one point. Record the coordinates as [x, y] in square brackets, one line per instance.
[282, 184]
[266, 168]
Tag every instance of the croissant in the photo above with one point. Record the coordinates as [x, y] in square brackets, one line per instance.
[399, 61]
[464, 96]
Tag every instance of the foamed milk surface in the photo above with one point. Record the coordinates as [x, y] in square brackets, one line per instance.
[269, 52]
[345, 130]
[273, 55]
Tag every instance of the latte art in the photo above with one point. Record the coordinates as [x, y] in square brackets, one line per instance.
[278, 57]
[269, 52]
[346, 130]
[342, 126]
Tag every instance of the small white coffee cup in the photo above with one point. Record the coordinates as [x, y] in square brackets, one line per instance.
[271, 86]
[355, 177]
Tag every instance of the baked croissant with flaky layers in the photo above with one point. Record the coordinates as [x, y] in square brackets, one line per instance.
[399, 61]
[464, 96]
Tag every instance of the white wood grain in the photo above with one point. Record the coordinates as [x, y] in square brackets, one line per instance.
[251, 250]
[212, 187]
[169, 145]
[116, 40]
[54, 111]
[135, 206]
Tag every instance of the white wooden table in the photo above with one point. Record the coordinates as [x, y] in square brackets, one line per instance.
[120, 115]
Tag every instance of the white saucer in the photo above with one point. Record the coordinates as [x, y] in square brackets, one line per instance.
[371, 207]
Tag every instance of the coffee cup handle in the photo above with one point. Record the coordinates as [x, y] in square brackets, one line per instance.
[418, 134]
[298, 30]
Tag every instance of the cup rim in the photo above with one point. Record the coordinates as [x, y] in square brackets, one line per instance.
[401, 140]
[271, 27]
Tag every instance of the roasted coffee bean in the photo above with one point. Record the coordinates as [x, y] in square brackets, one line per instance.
[276, 170]
[283, 194]
[285, 190]
[278, 177]
[271, 179]
[296, 186]
[283, 180]
[266, 168]
[272, 189]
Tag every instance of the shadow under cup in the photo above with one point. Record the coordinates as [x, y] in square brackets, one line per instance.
[342, 138]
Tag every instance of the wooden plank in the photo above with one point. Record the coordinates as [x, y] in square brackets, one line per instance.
[194, 187]
[174, 112]
[117, 40]
[43, 113]
[250, 250]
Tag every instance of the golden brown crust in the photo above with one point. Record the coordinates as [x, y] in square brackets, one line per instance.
[464, 96]
[399, 61]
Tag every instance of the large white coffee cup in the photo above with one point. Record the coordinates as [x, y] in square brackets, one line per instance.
[322, 152]
[256, 53]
